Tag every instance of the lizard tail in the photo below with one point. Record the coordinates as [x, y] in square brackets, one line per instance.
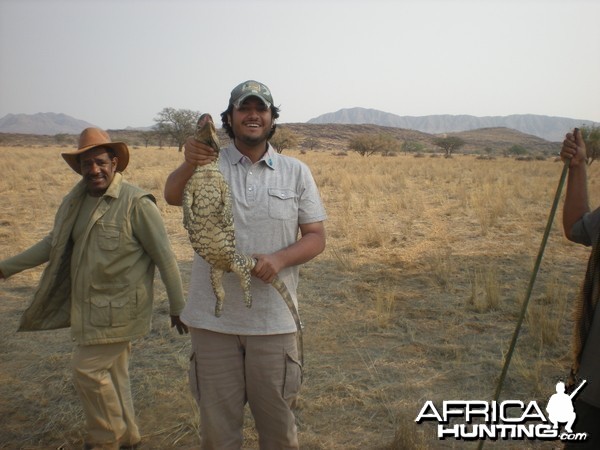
[287, 298]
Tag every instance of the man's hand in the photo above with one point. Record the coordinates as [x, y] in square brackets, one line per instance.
[198, 154]
[177, 323]
[267, 267]
[573, 149]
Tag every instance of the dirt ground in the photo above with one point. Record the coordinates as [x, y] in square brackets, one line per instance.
[416, 298]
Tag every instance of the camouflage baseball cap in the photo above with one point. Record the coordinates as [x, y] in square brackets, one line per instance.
[250, 88]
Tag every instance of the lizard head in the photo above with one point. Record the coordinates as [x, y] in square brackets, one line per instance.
[206, 132]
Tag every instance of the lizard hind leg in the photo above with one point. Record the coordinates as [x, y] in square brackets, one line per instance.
[242, 265]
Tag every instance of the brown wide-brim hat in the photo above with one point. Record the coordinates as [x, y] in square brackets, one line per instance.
[95, 137]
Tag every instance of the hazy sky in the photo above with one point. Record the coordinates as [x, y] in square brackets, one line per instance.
[117, 63]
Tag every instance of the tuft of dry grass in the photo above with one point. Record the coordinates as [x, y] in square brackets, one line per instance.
[415, 298]
[485, 290]
[547, 314]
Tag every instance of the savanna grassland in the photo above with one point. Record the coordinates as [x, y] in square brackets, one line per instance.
[415, 298]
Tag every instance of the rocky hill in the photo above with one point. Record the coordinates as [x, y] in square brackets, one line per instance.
[546, 127]
[483, 141]
[42, 123]
[333, 137]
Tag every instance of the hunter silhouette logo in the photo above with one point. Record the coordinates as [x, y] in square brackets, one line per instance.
[560, 407]
[509, 419]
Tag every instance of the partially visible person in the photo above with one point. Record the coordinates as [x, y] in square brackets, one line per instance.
[581, 225]
[107, 239]
[251, 354]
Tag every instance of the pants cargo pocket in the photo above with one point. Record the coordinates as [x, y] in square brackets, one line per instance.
[293, 380]
[193, 378]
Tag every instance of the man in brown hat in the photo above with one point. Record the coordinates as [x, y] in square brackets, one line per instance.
[107, 239]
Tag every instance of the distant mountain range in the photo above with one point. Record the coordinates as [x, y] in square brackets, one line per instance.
[549, 128]
[546, 127]
[42, 123]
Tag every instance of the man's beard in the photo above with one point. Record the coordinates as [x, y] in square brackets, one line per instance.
[251, 140]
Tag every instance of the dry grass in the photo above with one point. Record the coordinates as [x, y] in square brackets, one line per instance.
[414, 299]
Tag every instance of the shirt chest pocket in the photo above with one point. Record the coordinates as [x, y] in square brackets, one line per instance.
[109, 236]
[283, 204]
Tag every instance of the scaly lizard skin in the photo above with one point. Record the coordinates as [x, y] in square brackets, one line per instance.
[208, 218]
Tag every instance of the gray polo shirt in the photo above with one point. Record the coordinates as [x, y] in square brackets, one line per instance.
[586, 231]
[270, 199]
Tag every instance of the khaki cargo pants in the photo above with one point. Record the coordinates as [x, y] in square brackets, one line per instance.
[226, 371]
[101, 377]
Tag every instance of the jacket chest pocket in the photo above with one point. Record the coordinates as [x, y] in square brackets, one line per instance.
[283, 204]
[111, 305]
[109, 236]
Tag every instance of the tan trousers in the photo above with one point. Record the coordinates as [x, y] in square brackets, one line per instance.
[228, 370]
[101, 377]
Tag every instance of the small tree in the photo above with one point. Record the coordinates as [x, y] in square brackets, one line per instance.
[367, 144]
[517, 150]
[148, 136]
[449, 144]
[178, 124]
[412, 147]
[283, 139]
[591, 137]
[310, 143]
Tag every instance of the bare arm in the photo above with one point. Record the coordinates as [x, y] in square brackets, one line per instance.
[196, 154]
[310, 244]
[576, 197]
[176, 182]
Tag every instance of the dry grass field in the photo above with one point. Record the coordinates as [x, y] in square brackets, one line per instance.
[415, 298]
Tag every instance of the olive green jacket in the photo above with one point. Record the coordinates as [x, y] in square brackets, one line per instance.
[104, 291]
